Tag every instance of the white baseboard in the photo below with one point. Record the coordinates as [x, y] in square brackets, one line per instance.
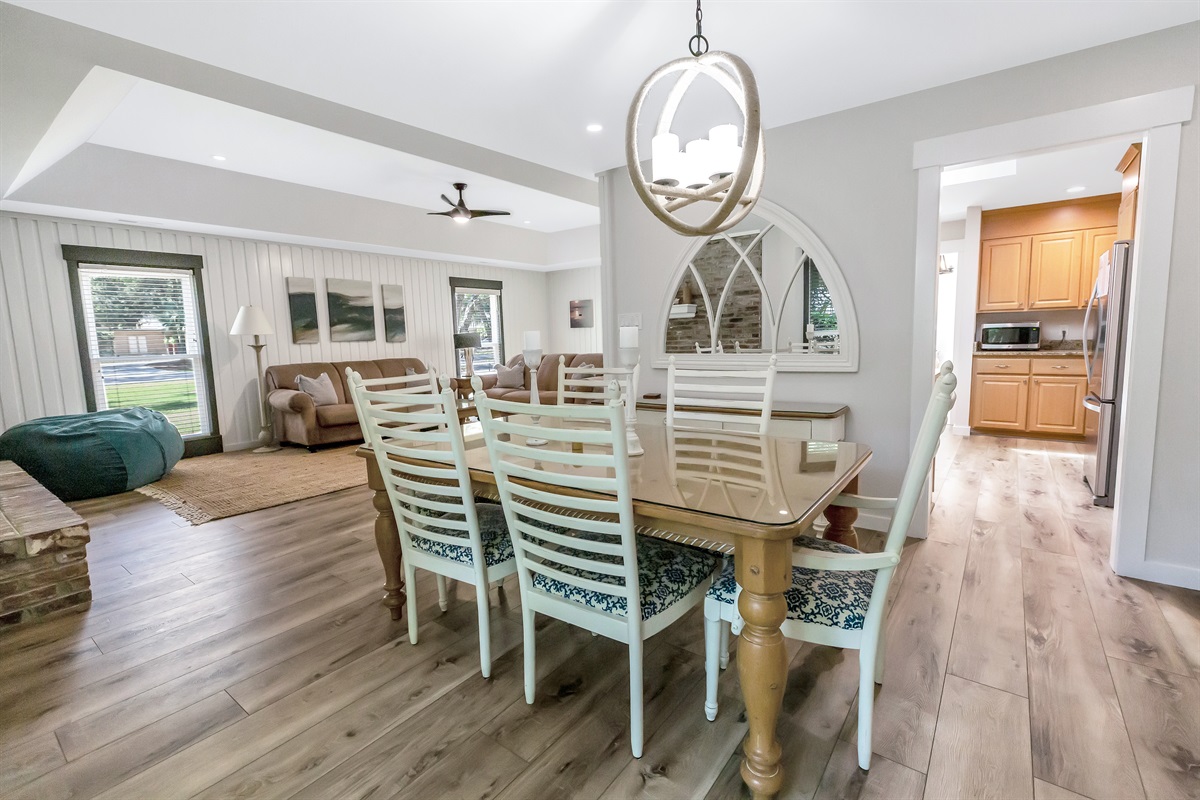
[228, 446]
[1162, 572]
[960, 430]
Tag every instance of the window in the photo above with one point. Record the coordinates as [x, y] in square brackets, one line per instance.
[142, 338]
[478, 309]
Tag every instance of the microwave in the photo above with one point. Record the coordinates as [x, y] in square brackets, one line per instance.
[1010, 336]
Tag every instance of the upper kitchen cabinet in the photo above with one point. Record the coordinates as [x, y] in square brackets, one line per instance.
[1003, 273]
[1130, 168]
[1043, 256]
[1054, 266]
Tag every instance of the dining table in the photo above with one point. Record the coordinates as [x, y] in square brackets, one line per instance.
[728, 492]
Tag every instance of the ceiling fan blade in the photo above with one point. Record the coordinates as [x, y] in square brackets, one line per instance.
[449, 202]
[442, 213]
[475, 214]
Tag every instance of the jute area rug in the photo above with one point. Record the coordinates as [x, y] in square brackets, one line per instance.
[205, 488]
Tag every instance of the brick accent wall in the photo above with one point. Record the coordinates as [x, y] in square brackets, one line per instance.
[741, 319]
[43, 551]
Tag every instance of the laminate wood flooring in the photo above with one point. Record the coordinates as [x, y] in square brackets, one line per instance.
[251, 657]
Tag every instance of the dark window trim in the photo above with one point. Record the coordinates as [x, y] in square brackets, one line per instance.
[479, 283]
[75, 255]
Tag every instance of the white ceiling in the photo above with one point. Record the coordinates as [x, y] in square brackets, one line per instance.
[170, 123]
[1041, 178]
[498, 94]
[525, 78]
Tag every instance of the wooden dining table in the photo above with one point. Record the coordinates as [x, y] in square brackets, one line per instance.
[727, 492]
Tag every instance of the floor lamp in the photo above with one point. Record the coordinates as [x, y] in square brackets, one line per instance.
[251, 321]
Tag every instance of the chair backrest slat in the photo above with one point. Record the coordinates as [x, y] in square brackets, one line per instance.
[710, 390]
[550, 537]
[418, 445]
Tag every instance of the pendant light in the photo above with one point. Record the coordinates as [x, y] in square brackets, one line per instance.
[713, 170]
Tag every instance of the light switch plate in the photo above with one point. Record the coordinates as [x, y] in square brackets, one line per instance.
[629, 320]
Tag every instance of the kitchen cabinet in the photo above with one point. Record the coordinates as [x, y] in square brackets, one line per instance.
[1056, 404]
[1043, 257]
[1004, 273]
[1042, 395]
[1055, 260]
[1096, 242]
[999, 402]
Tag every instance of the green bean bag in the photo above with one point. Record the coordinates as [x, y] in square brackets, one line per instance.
[92, 455]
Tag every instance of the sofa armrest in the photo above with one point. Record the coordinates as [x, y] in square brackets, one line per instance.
[291, 400]
[464, 384]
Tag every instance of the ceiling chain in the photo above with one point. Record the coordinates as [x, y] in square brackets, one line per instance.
[698, 45]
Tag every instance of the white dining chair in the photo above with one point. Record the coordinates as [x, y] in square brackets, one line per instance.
[839, 595]
[717, 349]
[706, 396]
[442, 529]
[578, 559]
[588, 384]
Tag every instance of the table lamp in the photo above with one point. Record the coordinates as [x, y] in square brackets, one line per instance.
[251, 321]
[468, 342]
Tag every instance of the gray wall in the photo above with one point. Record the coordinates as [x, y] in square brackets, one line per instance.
[849, 176]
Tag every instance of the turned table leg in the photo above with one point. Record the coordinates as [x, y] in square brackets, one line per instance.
[387, 541]
[764, 571]
[841, 520]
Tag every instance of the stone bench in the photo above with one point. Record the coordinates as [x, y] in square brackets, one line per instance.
[43, 552]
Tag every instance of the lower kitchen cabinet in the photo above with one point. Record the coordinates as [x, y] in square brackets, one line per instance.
[999, 402]
[1029, 395]
[1056, 404]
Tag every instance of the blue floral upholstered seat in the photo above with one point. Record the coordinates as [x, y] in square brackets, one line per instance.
[824, 597]
[497, 546]
[667, 572]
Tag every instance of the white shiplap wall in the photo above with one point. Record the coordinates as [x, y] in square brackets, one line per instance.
[564, 286]
[39, 362]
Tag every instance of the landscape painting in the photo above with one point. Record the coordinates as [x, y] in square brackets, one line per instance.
[394, 329]
[302, 304]
[351, 310]
[581, 314]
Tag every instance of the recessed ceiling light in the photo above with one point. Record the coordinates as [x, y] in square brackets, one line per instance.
[218, 158]
[528, 222]
[595, 127]
[1076, 189]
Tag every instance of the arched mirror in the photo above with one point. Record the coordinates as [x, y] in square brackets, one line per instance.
[766, 287]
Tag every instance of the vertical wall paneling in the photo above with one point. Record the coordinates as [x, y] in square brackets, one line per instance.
[39, 362]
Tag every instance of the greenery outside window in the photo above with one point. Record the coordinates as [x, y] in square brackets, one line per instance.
[479, 308]
[142, 337]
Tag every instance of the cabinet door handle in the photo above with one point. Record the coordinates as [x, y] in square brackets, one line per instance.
[1024, 381]
[1059, 366]
[1002, 366]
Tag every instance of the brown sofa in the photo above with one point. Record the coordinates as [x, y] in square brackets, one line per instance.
[298, 421]
[547, 378]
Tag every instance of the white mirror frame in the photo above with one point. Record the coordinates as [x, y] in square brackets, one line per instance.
[844, 361]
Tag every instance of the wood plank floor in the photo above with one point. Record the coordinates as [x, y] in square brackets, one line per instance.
[251, 658]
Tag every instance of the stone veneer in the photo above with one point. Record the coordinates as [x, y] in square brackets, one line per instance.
[43, 551]
[741, 320]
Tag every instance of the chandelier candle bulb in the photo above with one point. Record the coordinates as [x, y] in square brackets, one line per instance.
[533, 340]
[698, 164]
[725, 153]
[665, 159]
[628, 336]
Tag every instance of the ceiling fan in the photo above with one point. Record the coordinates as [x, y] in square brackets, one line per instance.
[459, 211]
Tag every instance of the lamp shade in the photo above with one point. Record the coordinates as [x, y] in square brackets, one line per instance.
[251, 321]
[463, 340]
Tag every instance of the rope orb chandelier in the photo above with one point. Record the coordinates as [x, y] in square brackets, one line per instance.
[714, 170]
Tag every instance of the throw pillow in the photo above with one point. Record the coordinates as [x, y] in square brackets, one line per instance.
[583, 376]
[510, 377]
[409, 371]
[320, 389]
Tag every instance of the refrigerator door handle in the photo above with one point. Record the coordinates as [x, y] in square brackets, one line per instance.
[1087, 315]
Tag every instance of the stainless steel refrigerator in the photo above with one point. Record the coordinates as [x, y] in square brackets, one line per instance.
[1105, 333]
